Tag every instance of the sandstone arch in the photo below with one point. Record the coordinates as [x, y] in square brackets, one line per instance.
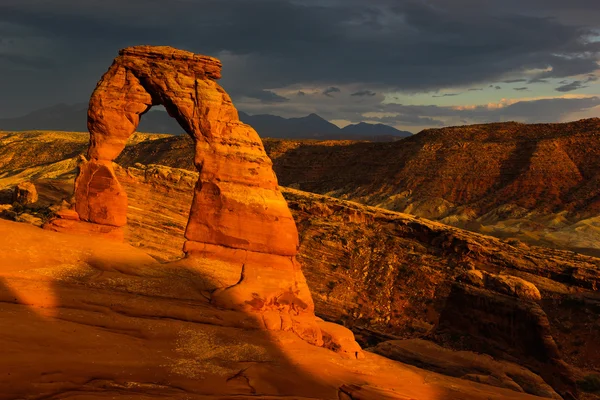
[238, 215]
[237, 183]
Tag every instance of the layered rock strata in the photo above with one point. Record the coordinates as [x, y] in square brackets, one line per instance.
[500, 315]
[238, 215]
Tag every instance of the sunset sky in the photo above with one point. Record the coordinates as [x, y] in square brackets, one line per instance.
[409, 64]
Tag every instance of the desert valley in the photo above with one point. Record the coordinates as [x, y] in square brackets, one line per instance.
[457, 263]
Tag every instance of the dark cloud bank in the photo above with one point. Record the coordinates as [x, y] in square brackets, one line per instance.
[52, 52]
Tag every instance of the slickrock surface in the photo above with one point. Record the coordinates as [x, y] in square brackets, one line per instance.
[237, 215]
[466, 365]
[383, 274]
[89, 318]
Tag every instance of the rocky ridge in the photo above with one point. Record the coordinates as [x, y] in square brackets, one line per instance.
[466, 191]
[383, 274]
[534, 182]
[89, 318]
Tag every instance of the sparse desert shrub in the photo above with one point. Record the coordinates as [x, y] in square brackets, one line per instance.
[590, 383]
[514, 242]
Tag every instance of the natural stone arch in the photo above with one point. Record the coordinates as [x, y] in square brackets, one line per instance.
[238, 219]
[236, 183]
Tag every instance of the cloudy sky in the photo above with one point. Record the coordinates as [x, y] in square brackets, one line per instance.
[412, 64]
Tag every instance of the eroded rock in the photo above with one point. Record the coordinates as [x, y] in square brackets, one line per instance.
[25, 193]
[238, 215]
[468, 365]
[340, 339]
[495, 314]
[501, 283]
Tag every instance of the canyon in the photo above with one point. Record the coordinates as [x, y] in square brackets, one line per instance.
[183, 270]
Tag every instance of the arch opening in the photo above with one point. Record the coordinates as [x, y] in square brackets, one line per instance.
[238, 215]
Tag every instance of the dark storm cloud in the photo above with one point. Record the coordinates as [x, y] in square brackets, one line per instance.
[267, 97]
[537, 80]
[564, 65]
[547, 110]
[544, 110]
[373, 109]
[410, 45]
[475, 89]
[327, 92]
[363, 93]
[446, 95]
[514, 80]
[25, 62]
[520, 89]
[571, 86]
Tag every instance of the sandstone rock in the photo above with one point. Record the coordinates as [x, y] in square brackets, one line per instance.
[466, 365]
[72, 225]
[88, 318]
[99, 197]
[238, 215]
[270, 285]
[25, 193]
[67, 213]
[7, 212]
[236, 178]
[368, 392]
[340, 339]
[504, 326]
[360, 273]
[513, 286]
[29, 219]
[501, 283]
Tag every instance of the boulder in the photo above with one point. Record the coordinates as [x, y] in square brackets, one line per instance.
[340, 339]
[25, 193]
[501, 283]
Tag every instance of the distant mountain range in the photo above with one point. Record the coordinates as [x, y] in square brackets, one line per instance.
[315, 127]
[63, 117]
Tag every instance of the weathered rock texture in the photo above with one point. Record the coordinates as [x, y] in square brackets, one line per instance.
[466, 365]
[535, 182]
[238, 213]
[236, 183]
[499, 315]
[25, 193]
[383, 274]
[93, 319]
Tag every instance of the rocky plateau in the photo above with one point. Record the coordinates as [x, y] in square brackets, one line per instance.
[176, 268]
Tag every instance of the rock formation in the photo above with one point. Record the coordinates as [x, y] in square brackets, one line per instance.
[385, 275]
[25, 193]
[465, 365]
[499, 315]
[238, 216]
[97, 319]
